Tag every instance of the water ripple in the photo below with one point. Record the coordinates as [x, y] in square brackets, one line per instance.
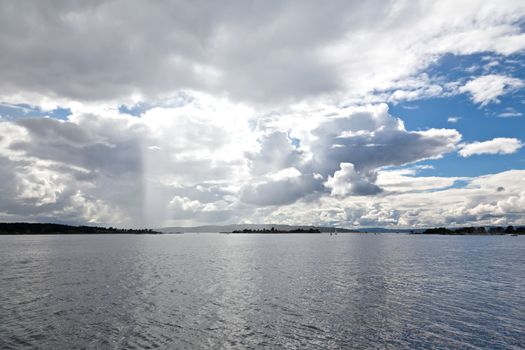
[256, 291]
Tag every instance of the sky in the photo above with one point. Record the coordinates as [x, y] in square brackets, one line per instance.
[341, 113]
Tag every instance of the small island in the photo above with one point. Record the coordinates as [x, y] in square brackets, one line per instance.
[273, 230]
[23, 228]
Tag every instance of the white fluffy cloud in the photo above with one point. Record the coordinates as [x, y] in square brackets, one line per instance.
[130, 168]
[410, 201]
[488, 88]
[347, 181]
[343, 146]
[182, 163]
[499, 145]
[114, 168]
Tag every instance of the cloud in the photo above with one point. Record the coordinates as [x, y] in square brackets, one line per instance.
[280, 192]
[486, 89]
[184, 209]
[407, 180]
[179, 164]
[123, 52]
[345, 146]
[510, 112]
[410, 201]
[369, 138]
[57, 172]
[129, 168]
[48, 172]
[499, 145]
[347, 181]
[250, 111]
[453, 119]
[275, 153]
[414, 88]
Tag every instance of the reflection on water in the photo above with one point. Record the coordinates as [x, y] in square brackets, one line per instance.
[274, 291]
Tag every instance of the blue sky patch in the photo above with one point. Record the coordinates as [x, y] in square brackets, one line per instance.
[475, 122]
[16, 111]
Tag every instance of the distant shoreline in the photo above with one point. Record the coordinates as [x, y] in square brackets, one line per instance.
[20, 228]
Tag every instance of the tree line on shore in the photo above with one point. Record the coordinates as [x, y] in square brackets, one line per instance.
[273, 230]
[496, 230]
[23, 228]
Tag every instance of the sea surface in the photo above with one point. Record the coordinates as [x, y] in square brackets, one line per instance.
[199, 291]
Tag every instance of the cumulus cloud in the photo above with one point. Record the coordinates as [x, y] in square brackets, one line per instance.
[182, 163]
[57, 175]
[129, 168]
[410, 201]
[499, 145]
[276, 152]
[369, 138]
[343, 146]
[347, 181]
[488, 88]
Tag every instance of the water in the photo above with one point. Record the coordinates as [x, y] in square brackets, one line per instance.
[255, 291]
